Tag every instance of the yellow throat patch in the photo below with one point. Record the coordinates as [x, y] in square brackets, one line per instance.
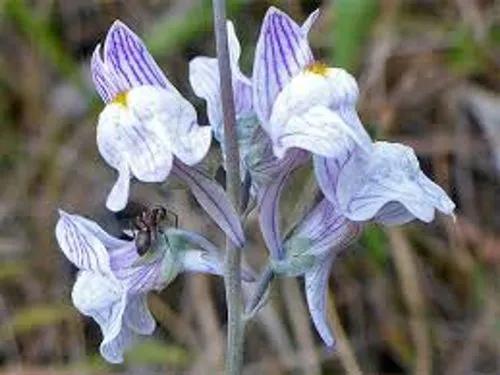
[121, 99]
[318, 67]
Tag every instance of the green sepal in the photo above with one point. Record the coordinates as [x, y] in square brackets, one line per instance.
[293, 266]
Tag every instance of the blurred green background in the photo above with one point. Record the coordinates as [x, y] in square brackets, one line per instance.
[420, 299]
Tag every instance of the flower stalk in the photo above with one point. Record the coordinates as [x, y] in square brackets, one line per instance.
[232, 273]
[262, 286]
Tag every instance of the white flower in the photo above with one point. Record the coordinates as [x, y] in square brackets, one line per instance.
[146, 122]
[302, 103]
[113, 280]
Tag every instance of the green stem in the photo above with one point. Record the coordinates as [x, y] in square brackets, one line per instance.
[262, 285]
[232, 274]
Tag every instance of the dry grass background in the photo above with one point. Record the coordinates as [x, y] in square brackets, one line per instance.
[420, 299]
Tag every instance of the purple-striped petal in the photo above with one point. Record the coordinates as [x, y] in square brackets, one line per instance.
[282, 51]
[309, 22]
[393, 213]
[107, 84]
[327, 171]
[113, 350]
[326, 230]
[204, 79]
[142, 277]
[316, 285]
[269, 199]
[213, 199]
[368, 184]
[126, 55]
[80, 245]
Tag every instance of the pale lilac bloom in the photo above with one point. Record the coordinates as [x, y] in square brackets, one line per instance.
[310, 252]
[204, 79]
[302, 103]
[146, 122]
[386, 185]
[113, 280]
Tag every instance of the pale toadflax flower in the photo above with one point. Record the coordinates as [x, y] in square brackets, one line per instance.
[300, 102]
[113, 280]
[310, 252]
[204, 79]
[385, 185]
[146, 122]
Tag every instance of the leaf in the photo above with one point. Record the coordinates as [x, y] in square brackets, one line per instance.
[154, 352]
[375, 241]
[466, 56]
[353, 22]
[12, 270]
[173, 31]
[33, 317]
